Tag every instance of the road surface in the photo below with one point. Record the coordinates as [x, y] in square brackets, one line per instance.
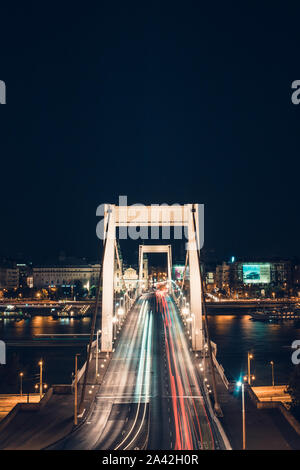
[119, 417]
[150, 396]
[178, 393]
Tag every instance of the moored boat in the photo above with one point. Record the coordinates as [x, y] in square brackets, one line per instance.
[278, 314]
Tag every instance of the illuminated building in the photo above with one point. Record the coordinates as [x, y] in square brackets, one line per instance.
[130, 278]
[64, 276]
[263, 273]
[223, 272]
[9, 277]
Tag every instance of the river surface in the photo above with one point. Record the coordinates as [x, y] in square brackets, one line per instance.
[234, 335]
[25, 348]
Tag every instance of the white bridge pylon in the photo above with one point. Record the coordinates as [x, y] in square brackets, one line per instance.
[151, 216]
[154, 249]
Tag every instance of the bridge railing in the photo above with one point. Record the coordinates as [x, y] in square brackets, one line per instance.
[221, 371]
[82, 370]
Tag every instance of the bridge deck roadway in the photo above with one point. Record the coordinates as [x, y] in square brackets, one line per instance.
[118, 419]
[150, 389]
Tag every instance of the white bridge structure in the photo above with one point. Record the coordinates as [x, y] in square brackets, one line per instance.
[154, 216]
[155, 249]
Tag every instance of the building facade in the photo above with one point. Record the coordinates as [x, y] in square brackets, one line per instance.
[130, 277]
[9, 277]
[223, 276]
[273, 273]
[65, 276]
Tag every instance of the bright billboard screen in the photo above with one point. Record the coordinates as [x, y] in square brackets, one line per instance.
[178, 272]
[256, 273]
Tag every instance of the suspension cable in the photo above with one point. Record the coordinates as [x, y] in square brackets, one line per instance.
[94, 318]
[217, 405]
[119, 264]
[184, 272]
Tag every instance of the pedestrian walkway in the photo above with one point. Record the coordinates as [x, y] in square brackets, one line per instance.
[8, 401]
[33, 430]
[265, 429]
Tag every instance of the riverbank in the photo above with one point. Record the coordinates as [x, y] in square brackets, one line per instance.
[244, 306]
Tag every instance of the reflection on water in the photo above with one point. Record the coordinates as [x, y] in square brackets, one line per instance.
[234, 335]
[23, 355]
[29, 328]
[237, 334]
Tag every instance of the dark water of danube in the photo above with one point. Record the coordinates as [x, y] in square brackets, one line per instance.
[24, 351]
[234, 335]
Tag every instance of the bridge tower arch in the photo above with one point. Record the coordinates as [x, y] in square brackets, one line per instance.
[154, 249]
[148, 216]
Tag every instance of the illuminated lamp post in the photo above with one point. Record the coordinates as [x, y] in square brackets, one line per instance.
[41, 379]
[273, 379]
[21, 383]
[250, 356]
[240, 384]
[76, 391]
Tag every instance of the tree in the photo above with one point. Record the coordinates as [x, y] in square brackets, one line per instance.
[92, 292]
[79, 291]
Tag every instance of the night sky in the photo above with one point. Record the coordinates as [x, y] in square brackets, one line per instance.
[161, 101]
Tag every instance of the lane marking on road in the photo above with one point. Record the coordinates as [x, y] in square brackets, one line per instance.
[119, 397]
[144, 371]
[182, 396]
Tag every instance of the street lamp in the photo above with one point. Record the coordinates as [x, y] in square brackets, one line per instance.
[21, 383]
[273, 380]
[121, 313]
[76, 391]
[240, 384]
[191, 319]
[97, 354]
[250, 356]
[114, 320]
[41, 379]
[185, 311]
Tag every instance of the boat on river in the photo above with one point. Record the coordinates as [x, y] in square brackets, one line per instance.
[14, 315]
[286, 312]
